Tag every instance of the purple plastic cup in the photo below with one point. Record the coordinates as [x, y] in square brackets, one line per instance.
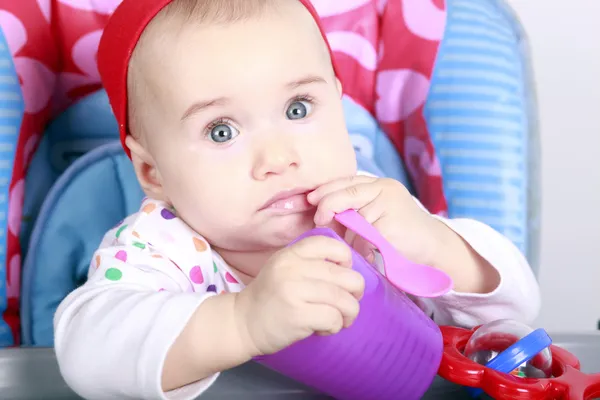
[392, 351]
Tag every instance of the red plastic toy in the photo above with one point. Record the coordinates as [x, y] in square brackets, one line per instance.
[567, 383]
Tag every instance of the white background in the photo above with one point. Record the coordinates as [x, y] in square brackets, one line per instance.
[564, 37]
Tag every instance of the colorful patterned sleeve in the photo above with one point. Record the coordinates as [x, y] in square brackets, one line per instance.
[130, 261]
[145, 282]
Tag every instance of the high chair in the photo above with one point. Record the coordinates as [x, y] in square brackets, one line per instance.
[438, 95]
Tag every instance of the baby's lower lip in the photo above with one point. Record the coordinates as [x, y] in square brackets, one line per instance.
[290, 205]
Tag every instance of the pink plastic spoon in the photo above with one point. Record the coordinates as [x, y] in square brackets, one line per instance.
[416, 279]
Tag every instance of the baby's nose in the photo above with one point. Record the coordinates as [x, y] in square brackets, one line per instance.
[275, 157]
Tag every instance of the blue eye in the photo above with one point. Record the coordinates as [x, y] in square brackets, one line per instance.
[222, 133]
[298, 110]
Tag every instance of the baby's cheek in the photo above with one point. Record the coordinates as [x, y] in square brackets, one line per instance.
[204, 217]
[215, 204]
[342, 161]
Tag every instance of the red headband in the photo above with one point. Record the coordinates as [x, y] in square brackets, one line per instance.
[120, 38]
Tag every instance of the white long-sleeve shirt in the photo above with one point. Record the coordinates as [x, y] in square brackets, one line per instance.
[152, 271]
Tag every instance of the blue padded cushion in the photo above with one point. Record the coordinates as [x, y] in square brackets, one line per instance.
[95, 193]
[481, 117]
[85, 125]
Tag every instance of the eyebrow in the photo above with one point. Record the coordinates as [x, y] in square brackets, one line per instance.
[203, 105]
[306, 81]
[221, 101]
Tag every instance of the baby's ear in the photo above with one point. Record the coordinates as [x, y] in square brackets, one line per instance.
[145, 169]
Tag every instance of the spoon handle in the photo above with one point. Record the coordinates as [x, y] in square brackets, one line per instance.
[356, 223]
[419, 280]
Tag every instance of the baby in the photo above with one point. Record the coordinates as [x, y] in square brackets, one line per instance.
[231, 113]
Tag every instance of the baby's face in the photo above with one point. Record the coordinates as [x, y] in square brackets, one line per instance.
[244, 112]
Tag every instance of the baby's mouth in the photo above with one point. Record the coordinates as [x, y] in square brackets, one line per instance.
[288, 202]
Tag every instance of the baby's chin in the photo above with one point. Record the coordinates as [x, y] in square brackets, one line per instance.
[265, 233]
[279, 231]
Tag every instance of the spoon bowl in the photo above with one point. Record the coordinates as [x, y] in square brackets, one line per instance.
[416, 279]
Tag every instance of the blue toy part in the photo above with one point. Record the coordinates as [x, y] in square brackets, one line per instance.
[97, 191]
[517, 354]
[85, 125]
[374, 150]
[12, 108]
[480, 114]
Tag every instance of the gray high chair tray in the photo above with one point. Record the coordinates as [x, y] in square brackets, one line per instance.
[28, 374]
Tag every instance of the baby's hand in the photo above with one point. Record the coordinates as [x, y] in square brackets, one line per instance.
[389, 207]
[415, 233]
[306, 288]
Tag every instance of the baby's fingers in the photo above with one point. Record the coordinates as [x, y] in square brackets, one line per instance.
[351, 197]
[323, 319]
[346, 304]
[316, 195]
[331, 274]
[323, 248]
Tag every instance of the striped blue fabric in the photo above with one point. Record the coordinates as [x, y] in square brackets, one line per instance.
[11, 116]
[478, 116]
